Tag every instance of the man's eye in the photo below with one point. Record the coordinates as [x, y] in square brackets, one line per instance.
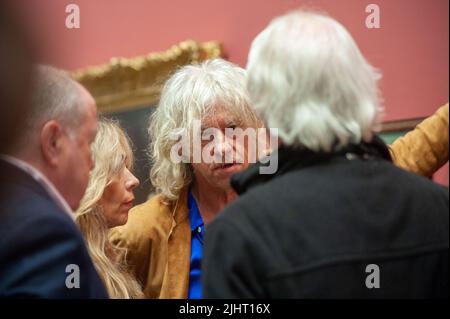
[207, 135]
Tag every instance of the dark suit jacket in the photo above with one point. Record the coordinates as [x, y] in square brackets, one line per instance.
[38, 241]
[315, 227]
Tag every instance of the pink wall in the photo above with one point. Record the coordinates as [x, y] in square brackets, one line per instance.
[411, 47]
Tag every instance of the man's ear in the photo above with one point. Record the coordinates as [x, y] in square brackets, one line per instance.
[52, 142]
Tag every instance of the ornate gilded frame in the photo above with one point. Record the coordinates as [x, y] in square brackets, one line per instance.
[125, 84]
[401, 125]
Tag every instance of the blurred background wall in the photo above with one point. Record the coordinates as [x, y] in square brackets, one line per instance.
[411, 47]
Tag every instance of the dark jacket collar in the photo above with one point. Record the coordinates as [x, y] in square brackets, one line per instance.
[290, 158]
[11, 176]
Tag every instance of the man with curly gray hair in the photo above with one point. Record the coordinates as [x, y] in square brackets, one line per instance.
[164, 236]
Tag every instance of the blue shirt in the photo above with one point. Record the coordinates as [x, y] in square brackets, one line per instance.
[197, 232]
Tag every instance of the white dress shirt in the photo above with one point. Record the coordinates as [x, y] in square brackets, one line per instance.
[42, 180]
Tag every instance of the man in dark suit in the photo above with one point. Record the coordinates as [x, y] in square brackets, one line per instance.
[44, 174]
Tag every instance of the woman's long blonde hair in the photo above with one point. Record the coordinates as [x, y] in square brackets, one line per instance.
[108, 150]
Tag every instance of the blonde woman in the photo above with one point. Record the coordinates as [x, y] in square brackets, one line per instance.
[106, 203]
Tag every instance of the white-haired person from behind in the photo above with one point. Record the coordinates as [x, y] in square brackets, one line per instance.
[106, 203]
[164, 236]
[338, 219]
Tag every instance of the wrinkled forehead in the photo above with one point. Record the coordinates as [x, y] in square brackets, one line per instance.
[217, 119]
[222, 116]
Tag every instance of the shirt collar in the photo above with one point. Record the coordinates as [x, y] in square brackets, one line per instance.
[42, 180]
[195, 218]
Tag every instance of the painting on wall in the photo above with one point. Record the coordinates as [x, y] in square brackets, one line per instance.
[128, 90]
[392, 130]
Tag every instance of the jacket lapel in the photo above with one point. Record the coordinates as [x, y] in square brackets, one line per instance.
[176, 278]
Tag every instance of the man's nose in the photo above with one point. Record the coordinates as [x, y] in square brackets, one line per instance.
[223, 146]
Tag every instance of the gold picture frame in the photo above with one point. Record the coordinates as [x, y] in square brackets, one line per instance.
[126, 84]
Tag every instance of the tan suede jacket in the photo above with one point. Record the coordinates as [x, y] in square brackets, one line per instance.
[157, 237]
[425, 149]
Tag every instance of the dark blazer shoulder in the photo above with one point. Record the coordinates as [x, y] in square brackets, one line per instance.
[40, 246]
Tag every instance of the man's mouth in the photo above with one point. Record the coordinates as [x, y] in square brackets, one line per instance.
[225, 168]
